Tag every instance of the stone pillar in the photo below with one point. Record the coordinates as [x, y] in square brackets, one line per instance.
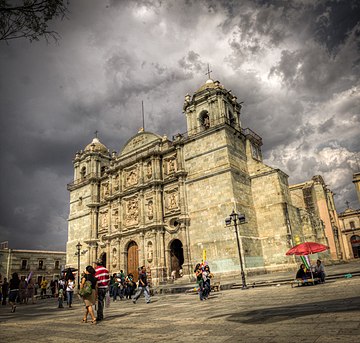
[118, 240]
[142, 251]
[168, 262]
[187, 266]
[108, 256]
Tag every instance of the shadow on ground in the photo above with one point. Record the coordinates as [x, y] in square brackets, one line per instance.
[278, 314]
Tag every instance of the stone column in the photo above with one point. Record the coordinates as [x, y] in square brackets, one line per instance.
[108, 256]
[142, 251]
[118, 240]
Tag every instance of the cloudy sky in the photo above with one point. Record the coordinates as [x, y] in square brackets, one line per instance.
[295, 64]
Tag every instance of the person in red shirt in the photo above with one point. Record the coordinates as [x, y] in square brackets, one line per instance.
[103, 279]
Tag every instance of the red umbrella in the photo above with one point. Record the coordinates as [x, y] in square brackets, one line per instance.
[307, 248]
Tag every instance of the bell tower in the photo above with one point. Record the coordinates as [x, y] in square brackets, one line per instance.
[211, 105]
[90, 165]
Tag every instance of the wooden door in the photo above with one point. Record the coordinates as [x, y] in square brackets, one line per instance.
[133, 260]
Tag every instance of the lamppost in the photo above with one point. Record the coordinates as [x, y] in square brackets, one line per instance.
[238, 218]
[78, 247]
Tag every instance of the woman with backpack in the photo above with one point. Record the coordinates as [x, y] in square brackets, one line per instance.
[88, 290]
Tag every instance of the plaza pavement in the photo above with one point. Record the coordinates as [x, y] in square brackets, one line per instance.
[322, 313]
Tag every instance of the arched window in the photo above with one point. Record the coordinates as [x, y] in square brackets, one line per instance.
[204, 120]
[352, 225]
[232, 119]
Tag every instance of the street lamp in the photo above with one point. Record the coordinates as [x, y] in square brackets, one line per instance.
[78, 247]
[238, 218]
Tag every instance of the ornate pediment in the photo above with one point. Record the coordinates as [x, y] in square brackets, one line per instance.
[141, 140]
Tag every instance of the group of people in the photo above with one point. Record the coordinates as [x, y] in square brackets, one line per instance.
[318, 271]
[17, 291]
[101, 283]
[122, 286]
[203, 277]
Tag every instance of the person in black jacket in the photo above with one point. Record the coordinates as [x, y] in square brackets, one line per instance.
[301, 273]
[14, 291]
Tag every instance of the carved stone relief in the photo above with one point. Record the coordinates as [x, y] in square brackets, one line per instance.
[103, 220]
[170, 165]
[105, 189]
[132, 212]
[131, 177]
[172, 200]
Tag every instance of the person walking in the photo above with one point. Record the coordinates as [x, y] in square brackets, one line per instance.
[23, 290]
[70, 285]
[89, 299]
[5, 290]
[14, 291]
[142, 287]
[103, 278]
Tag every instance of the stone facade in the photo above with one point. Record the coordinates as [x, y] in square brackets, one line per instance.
[40, 263]
[318, 213]
[162, 203]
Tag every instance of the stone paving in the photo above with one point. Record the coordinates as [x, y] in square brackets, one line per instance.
[322, 313]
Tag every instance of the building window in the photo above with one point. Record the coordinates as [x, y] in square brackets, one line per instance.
[41, 264]
[205, 120]
[57, 264]
[83, 173]
[24, 264]
[352, 225]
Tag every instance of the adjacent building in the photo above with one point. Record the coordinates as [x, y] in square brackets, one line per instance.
[163, 202]
[350, 225]
[316, 205]
[39, 263]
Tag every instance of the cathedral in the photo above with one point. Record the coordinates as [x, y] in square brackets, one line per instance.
[163, 203]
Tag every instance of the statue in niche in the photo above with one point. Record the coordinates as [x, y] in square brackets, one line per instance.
[150, 212]
[150, 252]
[172, 201]
[105, 189]
[149, 170]
[206, 121]
[171, 165]
[116, 183]
[114, 258]
[132, 215]
[132, 178]
[116, 218]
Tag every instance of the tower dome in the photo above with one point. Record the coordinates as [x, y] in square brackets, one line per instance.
[97, 146]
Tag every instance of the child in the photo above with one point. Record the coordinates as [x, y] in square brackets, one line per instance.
[61, 298]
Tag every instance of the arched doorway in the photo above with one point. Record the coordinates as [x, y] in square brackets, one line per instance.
[355, 244]
[133, 259]
[176, 256]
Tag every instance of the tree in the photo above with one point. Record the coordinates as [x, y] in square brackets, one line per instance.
[29, 19]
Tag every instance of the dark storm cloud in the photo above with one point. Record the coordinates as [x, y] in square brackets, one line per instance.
[293, 63]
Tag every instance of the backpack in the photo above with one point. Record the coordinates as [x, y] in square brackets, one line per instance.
[86, 289]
